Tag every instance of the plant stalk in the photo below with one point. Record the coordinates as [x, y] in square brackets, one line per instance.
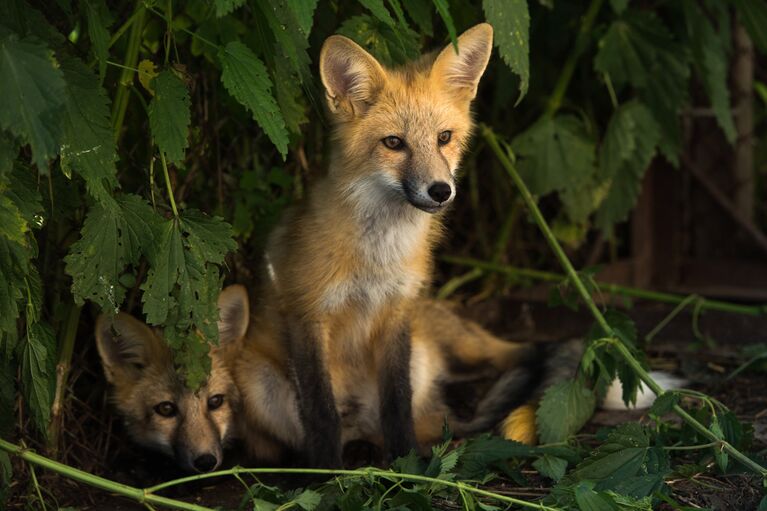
[120, 104]
[546, 276]
[492, 141]
[62, 374]
[581, 41]
[171, 198]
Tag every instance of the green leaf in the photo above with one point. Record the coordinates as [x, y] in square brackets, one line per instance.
[170, 116]
[290, 23]
[551, 466]
[31, 95]
[444, 12]
[289, 96]
[721, 457]
[14, 269]
[111, 239]
[247, 80]
[555, 154]
[6, 476]
[308, 500]
[87, 141]
[589, 500]
[388, 45]
[640, 51]
[420, 12]
[710, 51]
[628, 148]
[38, 362]
[511, 24]
[13, 226]
[664, 403]
[619, 6]
[99, 20]
[564, 409]
[763, 504]
[7, 396]
[481, 452]
[380, 11]
[224, 7]
[8, 152]
[753, 15]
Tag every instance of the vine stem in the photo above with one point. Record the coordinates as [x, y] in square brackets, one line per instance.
[126, 77]
[581, 40]
[168, 185]
[546, 276]
[147, 495]
[507, 164]
[62, 375]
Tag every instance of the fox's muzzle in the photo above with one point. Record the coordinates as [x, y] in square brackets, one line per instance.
[429, 197]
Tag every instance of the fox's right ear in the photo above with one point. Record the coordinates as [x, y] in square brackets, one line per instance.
[352, 77]
[233, 314]
[124, 343]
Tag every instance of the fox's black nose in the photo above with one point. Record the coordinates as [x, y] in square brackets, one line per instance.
[440, 191]
[205, 463]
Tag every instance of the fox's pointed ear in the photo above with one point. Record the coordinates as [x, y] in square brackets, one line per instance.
[233, 314]
[126, 345]
[352, 77]
[463, 70]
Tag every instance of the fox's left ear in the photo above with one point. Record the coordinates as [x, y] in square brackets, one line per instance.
[463, 70]
[233, 314]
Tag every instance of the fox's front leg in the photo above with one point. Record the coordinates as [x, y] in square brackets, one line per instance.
[396, 395]
[322, 426]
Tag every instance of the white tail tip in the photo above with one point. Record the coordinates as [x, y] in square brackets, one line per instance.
[645, 397]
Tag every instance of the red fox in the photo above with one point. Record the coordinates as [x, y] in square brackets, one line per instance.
[346, 268]
[460, 374]
[159, 411]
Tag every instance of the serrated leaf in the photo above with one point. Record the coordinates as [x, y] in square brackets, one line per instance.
[379, 10]
[26, 21]
[247, 80]
[481, 452]
[629, 146]
[639, 50]
[170, 116]
[420, 12]
[31, 95]
[721, 457]
[388, 45]
[38, 361]
[99, 19]
[111, 239]
[14, 268]
[554, 154]
[753, 15]
[289, 96]
[511, 23]
[8, 152]
[13, 226]
[147, 72]
[710, 51]
[589, 500]
[664, 403]
[224, 7]
[551, 466]
[290, 23]
[444, 12]
[87, 141]
[564, 409]
[308, 500]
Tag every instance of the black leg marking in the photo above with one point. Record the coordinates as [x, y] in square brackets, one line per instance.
[322, 427]
[396, 395]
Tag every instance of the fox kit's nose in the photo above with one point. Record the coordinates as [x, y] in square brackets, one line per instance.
[205, 463]
[440, 191]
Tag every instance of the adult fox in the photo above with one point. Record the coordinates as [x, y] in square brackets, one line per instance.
[347, 267]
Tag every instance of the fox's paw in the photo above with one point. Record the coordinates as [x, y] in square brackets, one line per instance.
[519, 425]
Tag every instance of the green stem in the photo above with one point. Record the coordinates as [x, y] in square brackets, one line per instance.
[691, 447]
[596, 313]
[674, 313]
[168, 185]
[37, 488]
[136, 494]
[126, 78]
[384, 474]
[194, 35]
[546, 276]
[581, 41]
[62, 374]
[453, 284]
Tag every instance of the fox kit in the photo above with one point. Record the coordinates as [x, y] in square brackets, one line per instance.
[344, 270]
[459, 372]
[159, 411]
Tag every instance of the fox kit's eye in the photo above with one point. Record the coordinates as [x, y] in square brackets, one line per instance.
[215, 401]
[444, 137]
[393, 143]
[166, 409]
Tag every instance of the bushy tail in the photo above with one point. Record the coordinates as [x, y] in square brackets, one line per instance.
[645, 397]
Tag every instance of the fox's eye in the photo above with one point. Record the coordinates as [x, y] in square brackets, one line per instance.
[215, 401]
[444, 137]
[166, 409]
[393, 143]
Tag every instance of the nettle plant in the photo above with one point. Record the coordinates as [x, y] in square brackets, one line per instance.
[140, 142]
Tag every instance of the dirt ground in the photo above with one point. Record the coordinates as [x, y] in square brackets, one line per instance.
[675, 348]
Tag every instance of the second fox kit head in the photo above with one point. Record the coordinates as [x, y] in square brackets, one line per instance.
[159, 411]
[402, 131]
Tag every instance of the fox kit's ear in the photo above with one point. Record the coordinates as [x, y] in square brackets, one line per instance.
[351, 76]
[233, 314]
[463, 70]
[125, 344]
